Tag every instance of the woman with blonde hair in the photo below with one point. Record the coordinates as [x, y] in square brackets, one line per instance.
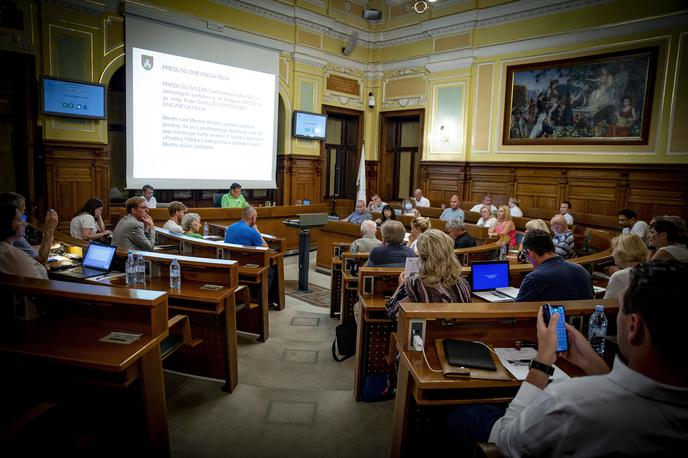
[504, 225]
[419, 225]
[438, 278]
[628, 250]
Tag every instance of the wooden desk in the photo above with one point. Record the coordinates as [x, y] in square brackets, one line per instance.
[497, 324]
[68, 337]
[214, 315]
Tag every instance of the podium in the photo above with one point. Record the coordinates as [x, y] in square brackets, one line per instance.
[304, 224]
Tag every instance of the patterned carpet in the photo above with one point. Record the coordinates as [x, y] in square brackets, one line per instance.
[318, 296]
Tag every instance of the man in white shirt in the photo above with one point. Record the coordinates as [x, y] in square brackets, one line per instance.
[565, 210]
[514, 209]
[487, 202]
[177, 211]
[148, 195]
[454, 211]
[630, 224]
[640, 407]
[376, 204]
[420, 200]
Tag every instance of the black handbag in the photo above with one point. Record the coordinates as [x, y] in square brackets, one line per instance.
[344, 343]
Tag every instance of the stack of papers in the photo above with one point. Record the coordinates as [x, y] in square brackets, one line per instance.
[517, 361]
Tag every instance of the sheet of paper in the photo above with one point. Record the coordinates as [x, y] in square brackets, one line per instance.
[411, 266]
[517, 361]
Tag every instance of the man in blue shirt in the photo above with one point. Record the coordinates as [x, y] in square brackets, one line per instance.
[359, 215]
[454, 211]
[553, 279]
[245, 232]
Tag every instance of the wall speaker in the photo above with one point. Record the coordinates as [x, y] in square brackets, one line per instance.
[372, 14]
[350, 43]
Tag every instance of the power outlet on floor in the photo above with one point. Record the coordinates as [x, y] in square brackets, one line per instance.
[416, 328]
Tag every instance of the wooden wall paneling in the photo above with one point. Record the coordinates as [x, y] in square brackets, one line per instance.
[76, 172]
[593, 191]
[490, 179]
[660, 192]
[371, 170]
[441, 180]
[536, 187]
[282, 195]
[306, 178]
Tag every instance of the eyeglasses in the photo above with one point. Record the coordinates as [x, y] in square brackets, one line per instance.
[142, 208]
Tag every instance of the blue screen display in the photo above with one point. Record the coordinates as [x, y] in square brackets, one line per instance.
[74, 99]
[489, 275]
[309, 125]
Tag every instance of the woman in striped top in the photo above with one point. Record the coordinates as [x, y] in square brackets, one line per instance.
[439, 277]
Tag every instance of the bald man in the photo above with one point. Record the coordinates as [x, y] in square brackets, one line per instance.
[245, 231]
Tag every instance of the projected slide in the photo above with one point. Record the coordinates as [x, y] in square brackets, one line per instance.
[199, 120]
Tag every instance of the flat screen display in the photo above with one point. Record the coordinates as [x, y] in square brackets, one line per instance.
[488, 275]
[309, 125]
[76, 99]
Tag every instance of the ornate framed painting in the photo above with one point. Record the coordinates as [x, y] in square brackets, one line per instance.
[600, 99]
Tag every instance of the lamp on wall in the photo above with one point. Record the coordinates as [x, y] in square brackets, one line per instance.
[371, 100]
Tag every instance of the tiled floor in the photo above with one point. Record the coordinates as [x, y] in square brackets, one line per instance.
[293, 399]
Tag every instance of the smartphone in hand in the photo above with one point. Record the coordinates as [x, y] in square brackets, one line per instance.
[562, 338]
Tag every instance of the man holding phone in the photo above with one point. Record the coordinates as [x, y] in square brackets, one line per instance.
[640, 407]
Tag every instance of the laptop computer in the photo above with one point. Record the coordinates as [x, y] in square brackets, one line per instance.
[490, 281]
[97, 261]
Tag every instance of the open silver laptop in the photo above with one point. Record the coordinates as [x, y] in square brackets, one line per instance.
[490, 281]
[97, 261]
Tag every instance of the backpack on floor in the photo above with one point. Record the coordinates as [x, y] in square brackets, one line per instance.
[344, 342]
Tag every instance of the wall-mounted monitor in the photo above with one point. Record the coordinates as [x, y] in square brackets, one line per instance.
[309, 125]
[75, 99]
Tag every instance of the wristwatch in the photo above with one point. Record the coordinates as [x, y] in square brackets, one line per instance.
[549, 370]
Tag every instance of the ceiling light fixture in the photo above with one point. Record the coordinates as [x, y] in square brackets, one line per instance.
[420, 7]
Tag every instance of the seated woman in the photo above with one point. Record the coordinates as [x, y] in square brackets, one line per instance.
[14, 261]
[439, 276]
[407, 208]
[563, 237]
[628, 250]
[419, 225]
[486, 218]
[387, 213]
[663, 236]
[504, 225]
[88, 222]
[191, 223]
[534, 224]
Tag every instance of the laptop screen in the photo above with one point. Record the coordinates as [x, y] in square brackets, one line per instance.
[488, 275]
[99, 256]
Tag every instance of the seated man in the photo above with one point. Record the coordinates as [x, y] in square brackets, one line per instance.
[21, 242]
[630, 224]
[368, 241]
[234, 198]
[454, 211]
[514, 208]
[563, 237]
[487, 202]
[553, 279]
[376, 204]
[359, 215]
[420, 200]
[393, 252]
[245, 231]
[13, 260]
[148, 195]
[135, 231]
[457, 231]
[176, 210]
[565, 210]
[638, 408]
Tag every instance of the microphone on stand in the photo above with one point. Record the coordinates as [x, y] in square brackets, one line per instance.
[334, 207]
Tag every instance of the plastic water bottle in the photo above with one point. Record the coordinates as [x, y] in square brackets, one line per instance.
[175, 275]
[502, 252]
[597, 329]
[140, 270]
[205, 230]
[130, 269]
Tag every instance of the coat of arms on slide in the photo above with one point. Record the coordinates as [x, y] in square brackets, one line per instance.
[147, 62]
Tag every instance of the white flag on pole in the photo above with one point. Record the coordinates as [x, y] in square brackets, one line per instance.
[361, 180]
